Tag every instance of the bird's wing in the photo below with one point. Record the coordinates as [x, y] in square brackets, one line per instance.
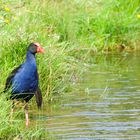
[10, 77]
[38, 96]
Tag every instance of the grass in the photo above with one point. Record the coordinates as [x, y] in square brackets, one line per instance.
[14, 128]
[71, 32]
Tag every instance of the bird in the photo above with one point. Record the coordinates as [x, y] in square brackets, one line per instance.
[24, 80]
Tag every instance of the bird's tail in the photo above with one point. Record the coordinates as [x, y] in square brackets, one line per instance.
[38, 96]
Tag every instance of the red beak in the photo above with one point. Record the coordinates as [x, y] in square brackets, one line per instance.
[40, 50]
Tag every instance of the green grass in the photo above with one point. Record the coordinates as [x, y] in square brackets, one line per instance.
[71, 31]
[14, 128]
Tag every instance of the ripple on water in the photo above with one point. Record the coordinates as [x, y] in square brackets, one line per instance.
[104, 106]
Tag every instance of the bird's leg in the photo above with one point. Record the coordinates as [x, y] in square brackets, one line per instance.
[26, 114]
[12, 110]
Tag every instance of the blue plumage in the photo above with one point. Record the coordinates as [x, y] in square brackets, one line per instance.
[24, 79]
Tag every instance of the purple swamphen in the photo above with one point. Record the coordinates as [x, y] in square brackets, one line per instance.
[24, 81]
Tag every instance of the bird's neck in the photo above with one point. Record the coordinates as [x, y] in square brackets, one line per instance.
[30, 57]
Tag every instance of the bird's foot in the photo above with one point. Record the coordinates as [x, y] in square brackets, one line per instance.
[26, 115]
[27, 123]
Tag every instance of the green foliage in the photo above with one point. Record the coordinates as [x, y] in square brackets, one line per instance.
[71, 31]
[6, 13]
[11, 127]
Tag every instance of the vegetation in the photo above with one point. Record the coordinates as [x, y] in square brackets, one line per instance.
[71, 31]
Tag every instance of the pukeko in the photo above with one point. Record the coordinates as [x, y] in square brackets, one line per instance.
[24, 81]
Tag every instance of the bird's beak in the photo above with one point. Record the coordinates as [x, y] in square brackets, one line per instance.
[40, 50]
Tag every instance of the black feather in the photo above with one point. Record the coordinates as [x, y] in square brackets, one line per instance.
[38, 96]
[10, 77]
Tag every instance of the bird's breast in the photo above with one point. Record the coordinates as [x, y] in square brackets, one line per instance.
[26, 80]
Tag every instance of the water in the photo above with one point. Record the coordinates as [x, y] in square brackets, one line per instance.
[105, 104]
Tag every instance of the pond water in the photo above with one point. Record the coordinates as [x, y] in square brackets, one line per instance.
[105, 104]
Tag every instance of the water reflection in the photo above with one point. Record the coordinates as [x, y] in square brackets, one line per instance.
[104, 105]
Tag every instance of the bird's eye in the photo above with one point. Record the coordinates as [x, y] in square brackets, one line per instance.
[36, 45]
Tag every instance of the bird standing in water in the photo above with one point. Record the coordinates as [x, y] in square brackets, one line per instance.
[24, 79]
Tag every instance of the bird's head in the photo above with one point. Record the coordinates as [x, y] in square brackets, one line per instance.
[35, 48]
